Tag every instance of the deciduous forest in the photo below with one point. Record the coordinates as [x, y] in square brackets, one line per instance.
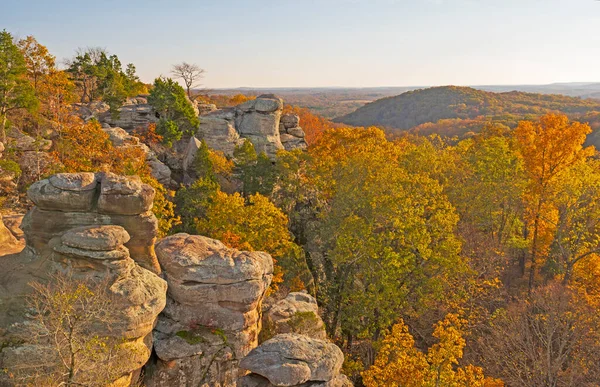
[451, 237]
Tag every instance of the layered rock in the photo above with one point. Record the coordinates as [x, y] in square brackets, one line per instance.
[258, 121]
[69, 200]
[94, 255]
[297, 313]
[211, 320]
[131, 116]
[290, 132]
[294, 360]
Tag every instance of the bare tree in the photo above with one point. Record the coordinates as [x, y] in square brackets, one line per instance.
[549, 340]
[71, 334]
[190, 73]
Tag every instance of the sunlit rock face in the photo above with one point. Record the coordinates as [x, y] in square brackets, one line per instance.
[212, 317]
[86, 227]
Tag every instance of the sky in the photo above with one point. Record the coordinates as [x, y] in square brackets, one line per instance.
[328, 43]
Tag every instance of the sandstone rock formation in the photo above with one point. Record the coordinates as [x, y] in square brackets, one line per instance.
[131, 116]
[218, 131]
[294, 360]
[93, 254]
[297, 313]
[69, 200]
[290, 132]
[211, 320]
[80, 228]
[259, 120]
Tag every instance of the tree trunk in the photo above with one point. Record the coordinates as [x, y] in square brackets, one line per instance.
[3, 126]
[534, 247]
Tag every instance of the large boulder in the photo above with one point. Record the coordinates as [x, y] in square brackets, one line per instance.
[211, 320]
[189, 156]
[68, 200]
[297, 313]
[292, 360]
[258, 121]
[27, 143]
[124, 195]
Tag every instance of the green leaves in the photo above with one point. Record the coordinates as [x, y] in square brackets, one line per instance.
[177, 115]
[15, 90]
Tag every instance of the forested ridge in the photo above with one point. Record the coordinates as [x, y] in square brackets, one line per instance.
[435, 261]
[456, 111]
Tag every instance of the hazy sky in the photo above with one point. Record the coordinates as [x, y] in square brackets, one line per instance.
[278, 43]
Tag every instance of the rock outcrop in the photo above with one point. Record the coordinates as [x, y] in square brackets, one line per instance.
[95, 255]
[134, 114]
[211, 320]
[290, 132]
[297, 313]
[294, 360]
[68, 200]
[259, 120]
[80, 228]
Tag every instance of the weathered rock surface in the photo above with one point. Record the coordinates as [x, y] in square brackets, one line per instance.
[297, 313]
[212, 318]
[259, 120]
[68, 200]
[293, 360]
[35, 164]
[131, 116]
[218, 133]
[13, 222]
[190, 153]
[291, 134]
[27, 143]
[93, 254]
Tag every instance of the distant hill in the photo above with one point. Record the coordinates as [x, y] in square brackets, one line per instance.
[331, 102]
[413, 108]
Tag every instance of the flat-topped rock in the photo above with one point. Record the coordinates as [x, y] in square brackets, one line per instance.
[82, 181]
[202, 260]
[292, 359]
[47, 196]
[97, 238]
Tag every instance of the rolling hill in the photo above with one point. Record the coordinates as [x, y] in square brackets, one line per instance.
[414, 108]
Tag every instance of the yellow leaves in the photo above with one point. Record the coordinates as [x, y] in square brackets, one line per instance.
[550, 145]
[253, 225]
[221, 164]
[400, 364]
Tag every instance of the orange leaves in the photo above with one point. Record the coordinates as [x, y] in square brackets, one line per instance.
[312, 124]
[400, 363]
[550, 145]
